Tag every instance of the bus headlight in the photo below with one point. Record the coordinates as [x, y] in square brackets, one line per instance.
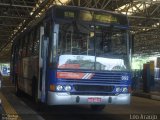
[67, 88]
[125, 89]
[59, 87]
[118, 89]
[125, 77]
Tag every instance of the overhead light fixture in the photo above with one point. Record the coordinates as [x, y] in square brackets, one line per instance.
[61, 2]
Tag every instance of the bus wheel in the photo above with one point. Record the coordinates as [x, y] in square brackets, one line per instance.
[18, 91]
[97, 107]
[34, 89]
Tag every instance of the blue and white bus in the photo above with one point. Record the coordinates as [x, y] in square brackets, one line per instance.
[74, 56]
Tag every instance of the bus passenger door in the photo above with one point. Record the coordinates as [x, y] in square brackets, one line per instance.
[44, 54]
[42, 63]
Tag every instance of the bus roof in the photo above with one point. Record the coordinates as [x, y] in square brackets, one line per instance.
[122, 19]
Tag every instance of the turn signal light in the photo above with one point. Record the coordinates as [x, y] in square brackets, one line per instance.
[52, 87]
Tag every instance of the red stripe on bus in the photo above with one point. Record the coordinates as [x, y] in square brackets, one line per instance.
[70, 75]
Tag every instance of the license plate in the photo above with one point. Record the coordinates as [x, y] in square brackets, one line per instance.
[94, 100]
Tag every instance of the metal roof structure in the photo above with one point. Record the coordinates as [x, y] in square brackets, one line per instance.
[144, 18]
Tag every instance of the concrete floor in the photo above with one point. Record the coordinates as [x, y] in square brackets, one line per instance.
[28, 110]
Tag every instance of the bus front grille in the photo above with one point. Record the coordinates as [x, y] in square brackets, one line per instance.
[95, 88]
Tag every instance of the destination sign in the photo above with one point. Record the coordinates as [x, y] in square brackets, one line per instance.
[92, 16]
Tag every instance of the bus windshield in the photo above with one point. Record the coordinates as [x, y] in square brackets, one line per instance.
[92, 47]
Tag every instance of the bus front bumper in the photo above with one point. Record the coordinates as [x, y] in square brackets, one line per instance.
[55, 98]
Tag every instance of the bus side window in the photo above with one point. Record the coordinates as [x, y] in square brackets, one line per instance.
[30, 43]
[17, 50]
[23, 46]
[29, 39]
[36, 41]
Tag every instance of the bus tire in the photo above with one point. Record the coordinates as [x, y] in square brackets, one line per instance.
[34, 89]
[18, 91]
[97, 107]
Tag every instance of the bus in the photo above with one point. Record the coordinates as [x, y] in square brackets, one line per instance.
[74, 56]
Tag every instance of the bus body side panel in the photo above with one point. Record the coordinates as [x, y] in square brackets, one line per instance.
[28, 70]
[27, 75]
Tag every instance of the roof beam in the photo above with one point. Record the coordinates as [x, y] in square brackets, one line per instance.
[155, 10]
[4, 35]
[14, 17]
[41, 6]
[147, 1]
[7, 25]
[142, 17]
[5, 31]
[14, 5]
